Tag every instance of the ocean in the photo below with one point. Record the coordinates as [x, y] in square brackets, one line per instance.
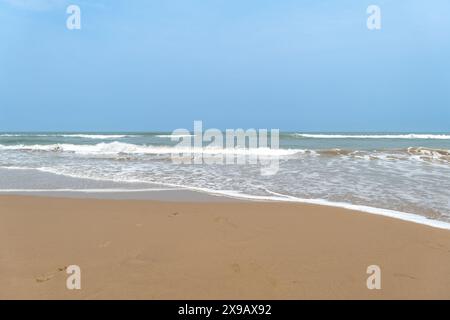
[403, 175]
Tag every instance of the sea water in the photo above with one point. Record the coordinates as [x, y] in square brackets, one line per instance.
[391, 173]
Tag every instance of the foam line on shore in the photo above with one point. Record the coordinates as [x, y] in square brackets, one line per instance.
[409, 217]
[87, 190]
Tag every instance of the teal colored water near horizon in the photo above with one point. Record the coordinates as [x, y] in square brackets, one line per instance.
[313, 140]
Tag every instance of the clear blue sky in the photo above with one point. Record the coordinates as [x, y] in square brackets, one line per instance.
[161, 64]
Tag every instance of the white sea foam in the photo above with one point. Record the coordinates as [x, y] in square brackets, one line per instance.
[110, 190]
[378, 211]
[440, 157]
[117, 148]
[77, 135]
[96, 136]
[174, 135]
[114, 148]
[371, 173]
[374, 136]
[276, 197]
[410, 217]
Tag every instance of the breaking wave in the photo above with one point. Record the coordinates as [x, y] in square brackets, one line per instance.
[374, 136]
[114, 148]
[120, 148]
[77, 135]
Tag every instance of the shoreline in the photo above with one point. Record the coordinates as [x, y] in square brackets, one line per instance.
[147, 249]
[173, 193]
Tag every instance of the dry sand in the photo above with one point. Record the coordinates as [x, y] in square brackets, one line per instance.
[131, 249]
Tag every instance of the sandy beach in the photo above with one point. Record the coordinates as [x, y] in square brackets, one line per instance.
[141, 249]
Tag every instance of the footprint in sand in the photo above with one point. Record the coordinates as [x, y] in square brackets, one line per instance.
[45, 278]
[173, 214]
[48, 276]
[236, 267]
[404, 275]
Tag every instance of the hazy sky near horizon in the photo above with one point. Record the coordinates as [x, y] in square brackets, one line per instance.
[159, 65]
